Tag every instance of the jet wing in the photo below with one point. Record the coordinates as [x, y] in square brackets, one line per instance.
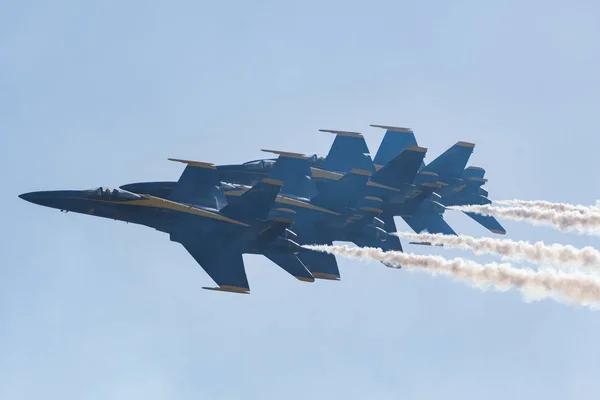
[224, 266]
[390, 227]
[488, 222]
[199, 184]
[430, 222]
[321, 265]
[291, 264]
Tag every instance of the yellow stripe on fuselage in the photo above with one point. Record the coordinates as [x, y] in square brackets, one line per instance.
[156, 202]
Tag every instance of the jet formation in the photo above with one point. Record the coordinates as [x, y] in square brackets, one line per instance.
[274, 206]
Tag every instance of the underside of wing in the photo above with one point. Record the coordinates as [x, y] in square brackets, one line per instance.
[428, 222]
[224, 266]
[292, 265]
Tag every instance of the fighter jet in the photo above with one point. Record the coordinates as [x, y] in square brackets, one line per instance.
[460, 185]
[414, 198]
[216, 238]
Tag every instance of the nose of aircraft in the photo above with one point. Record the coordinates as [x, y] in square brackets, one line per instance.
[35, 197]
[51, 198]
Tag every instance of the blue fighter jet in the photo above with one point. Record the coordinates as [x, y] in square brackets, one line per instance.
[216, 238]
[459, 184]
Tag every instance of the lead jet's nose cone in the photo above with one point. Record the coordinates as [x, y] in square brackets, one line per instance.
[32, 197]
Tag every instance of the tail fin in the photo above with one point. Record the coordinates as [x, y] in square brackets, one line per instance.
[394, 142]
[345, 192]
[199, 184]
[348, 151]
[293, 170]
[402, 169]
[452, 162]
[256, 203]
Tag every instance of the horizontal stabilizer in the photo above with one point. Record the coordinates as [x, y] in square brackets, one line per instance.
[488, 222]
[452, 162]
[349, 150]
[199, 184]
[402, 170]
[394, 142]
[255, 203]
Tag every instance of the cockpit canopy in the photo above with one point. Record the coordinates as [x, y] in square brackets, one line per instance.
[260, 164]
[316, 159]
[116, 193]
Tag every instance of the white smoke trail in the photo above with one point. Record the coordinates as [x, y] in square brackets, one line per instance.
[547, 205]
[537, 252]
[577, 289]
[564, 221]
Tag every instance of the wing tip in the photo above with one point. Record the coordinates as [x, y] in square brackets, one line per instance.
[498, 231]
[325, 276]
[393, 128]
[230, 289]
[417, 149]
[305, 278]
[343, 133]
[194, 163]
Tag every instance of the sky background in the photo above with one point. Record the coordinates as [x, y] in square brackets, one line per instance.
[102, 93]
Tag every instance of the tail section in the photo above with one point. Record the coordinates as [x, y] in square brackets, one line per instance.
[394, 142]
[453, 161]
[343, 193]
[348, 151]
[293, 170]
[256, 203]
[199, 184]
[401, 170]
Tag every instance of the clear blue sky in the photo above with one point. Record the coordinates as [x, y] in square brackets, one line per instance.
[101, 93]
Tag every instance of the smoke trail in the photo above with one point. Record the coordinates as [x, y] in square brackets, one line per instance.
[537, 252]
[578, 289]
[547, 205]
[564, 221]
